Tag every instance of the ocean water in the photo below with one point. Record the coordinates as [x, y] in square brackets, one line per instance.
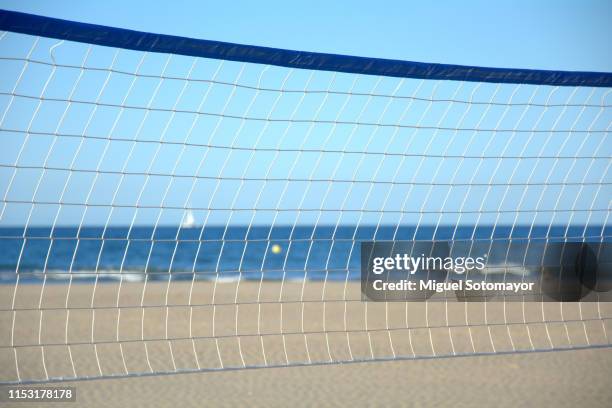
[314, 253]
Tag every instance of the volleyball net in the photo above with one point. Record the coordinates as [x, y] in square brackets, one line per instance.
[178, 205]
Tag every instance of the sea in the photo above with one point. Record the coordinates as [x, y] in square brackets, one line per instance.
[322, 252]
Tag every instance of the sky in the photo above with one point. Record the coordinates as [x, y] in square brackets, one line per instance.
[536, 34]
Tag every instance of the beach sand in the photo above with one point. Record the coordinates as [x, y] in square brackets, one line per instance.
[272, 333]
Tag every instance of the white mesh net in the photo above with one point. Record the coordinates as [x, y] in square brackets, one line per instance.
[163, 213]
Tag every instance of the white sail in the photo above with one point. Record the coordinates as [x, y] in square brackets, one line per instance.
[188, 220]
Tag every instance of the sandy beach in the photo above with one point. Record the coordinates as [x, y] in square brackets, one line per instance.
[245, 324]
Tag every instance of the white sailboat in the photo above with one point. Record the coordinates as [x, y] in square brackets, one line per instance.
[188, 220]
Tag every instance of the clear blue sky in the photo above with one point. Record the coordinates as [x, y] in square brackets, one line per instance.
[558, 35]
[544, 34]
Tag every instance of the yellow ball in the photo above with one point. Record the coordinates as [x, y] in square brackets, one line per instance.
[276, 249]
